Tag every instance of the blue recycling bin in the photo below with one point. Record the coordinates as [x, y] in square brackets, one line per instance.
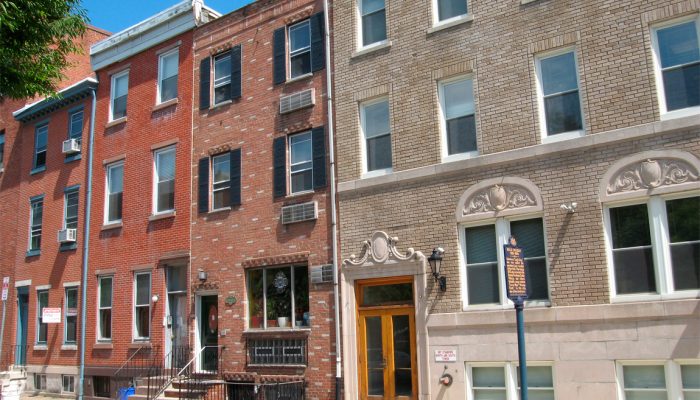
[124, 393]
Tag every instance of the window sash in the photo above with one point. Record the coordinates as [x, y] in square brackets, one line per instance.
[373, 23]
[104, 307]
[448, 9]
[222, 70]
[115, 187]
[68, 384]
[37, 212]
[168, 73]
[221, 180]
[165, 180]
[41, 138]
[71, 200]
[70, 315]
[120, 90]
[42, 297]
[260, 283]
[142, 305]
[301, 162]
[75, 130]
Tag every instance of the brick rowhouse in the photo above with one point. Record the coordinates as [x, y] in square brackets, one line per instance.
[261, 201]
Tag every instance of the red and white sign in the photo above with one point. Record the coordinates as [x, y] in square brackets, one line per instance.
[51, 315]
[445, 355]
[5, 287]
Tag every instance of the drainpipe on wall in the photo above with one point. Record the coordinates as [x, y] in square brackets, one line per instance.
[334, 223]
[86, 240]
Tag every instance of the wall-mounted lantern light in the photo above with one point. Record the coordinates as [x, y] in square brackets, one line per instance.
[435, 261]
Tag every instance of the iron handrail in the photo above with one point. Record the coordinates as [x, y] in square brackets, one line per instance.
[127, 361]
[173, 378]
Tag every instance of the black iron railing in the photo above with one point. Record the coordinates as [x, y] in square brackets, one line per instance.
[274, 351]
[222, 390]
[138, 365]
[166, 370]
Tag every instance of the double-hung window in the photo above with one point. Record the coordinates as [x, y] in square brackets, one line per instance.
[75, 127]
[70, 212]
[167, 75]
[377, 135]
[2, 149]
[142, 305]
[115, 192]
[449, 9]
[104, 308]
[41, 138]
[278, 297]
[71, 315]
[42, 298]
[222, 77]
[300, 163]
[164, 176]
[120, 89]
[373, 21]
[458, 119]
[68, 383]
[654, 247]
[502, 381]
[300, 49]
[484, 256]
[36, 205]
[221, 181]
[659, 379]
[677, 59]
[559, 94]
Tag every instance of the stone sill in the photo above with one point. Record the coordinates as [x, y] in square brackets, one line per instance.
[463, 19]
[385, 44]
[69, 347]
[116, 122]
[112, 225]
[103, 346]
[139, 345]
[299, 78]
[164, 215]
[165, 104]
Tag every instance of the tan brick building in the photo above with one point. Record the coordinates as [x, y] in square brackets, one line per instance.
[574, 126]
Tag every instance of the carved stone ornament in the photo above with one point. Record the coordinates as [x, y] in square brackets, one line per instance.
[380, 249]
[498, 196]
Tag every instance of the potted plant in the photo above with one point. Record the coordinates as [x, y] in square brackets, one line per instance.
[283, 311]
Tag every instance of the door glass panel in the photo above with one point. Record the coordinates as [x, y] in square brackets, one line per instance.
[375, 356]
[400, 293]
[402, 356]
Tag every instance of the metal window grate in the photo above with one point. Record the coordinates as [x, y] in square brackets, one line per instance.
[277, 351]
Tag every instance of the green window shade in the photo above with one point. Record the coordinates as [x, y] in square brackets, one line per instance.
[481, 244]
[529, 234]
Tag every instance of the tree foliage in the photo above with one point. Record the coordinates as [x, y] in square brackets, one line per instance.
[36, 36]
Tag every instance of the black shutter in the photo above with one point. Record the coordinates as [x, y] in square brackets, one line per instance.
[318, 147]
[279, 161]
[279, 56]
[204, 81]
[236, 72]
[235, 163]
[203, 185]
[318, 50]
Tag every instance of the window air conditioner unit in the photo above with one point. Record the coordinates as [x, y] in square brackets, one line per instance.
[322, 274]
[296, 101]
[67, 235]
[71, 146]
[299, 212]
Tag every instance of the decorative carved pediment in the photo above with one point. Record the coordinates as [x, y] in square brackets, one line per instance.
[380, 249]
[498, 196]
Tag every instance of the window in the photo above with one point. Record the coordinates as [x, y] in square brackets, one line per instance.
[104, 308]
[644, 382]
[221, 184]
[690, 381]
[101, 386]
[40, 381]
[36, 217]
[142, 306]
[2, 149]
[68, 383]
[491, 381]
[75, 128]
[373, 21]
[645, 238]
[483, 250]
[71, 315]
[120, 88]
[677, 51]
[540, 384]
[164, 190]
[115, 189]
[300, 163]
[278, 297]
[377, 135]
[300, 49]
[70, 212]
[459, 123]
[222, 77]
[559, 93]
[167, 75]
[42, 298]
[448, 9]
[41, 137]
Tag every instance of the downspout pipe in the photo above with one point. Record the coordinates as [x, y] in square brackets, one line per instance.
[86, 247]
[334, 212]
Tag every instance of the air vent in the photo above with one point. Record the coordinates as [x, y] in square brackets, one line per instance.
[67, 235]
[71, 146]
[299, 212]
[322, 274]
[297, 101]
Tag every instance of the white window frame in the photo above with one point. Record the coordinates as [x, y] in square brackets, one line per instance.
[292, 294]
[39, 292]
[136, 337]
[658, 73]
[40, 129]
[108, 168]
[40, 230]
[299, 51]
[156, 181]
[68, 192]
[65, 314]
[661, 250]
[213, 190]
[510, 370]
[289, 170]
[71, 383]
[452, 20]
[446, 157]
[41, 380]
[668, 375]
[99, 336]
[363, 140]
[112, 92]
[381, 43]
[161, 57]
[540, 97]
[214, 85]
[502, 225]
[76, 135]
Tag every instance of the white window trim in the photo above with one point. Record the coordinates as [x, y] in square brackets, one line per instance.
[161, 57]
[65, 314]
[135, 336]
[99, 294]
[502, 225]
[154, 198]
[289, 169]
[65, 206]
[457, 19]
[446, 157]
[511, 376]
[70, 123]
[108, 167]
[292, 286]
[213, 181]
[288, 44]
[112, 88]
[38, 315]
[358, 33]
[363, 140]
[63, 386]
[668, 375]
[214, 86]
[31, 222]
[661, 251]
[660, 92]
[540, 98]
[42, 380]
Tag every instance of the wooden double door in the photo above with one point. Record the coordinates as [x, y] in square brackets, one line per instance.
[387, 350]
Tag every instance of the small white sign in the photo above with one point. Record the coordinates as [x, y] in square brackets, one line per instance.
[445, 355]
[5, 287]
[51, 315]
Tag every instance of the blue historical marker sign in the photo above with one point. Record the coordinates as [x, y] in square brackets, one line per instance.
[516, 284]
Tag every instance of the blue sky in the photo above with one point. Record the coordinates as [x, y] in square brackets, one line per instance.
[115, 15]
